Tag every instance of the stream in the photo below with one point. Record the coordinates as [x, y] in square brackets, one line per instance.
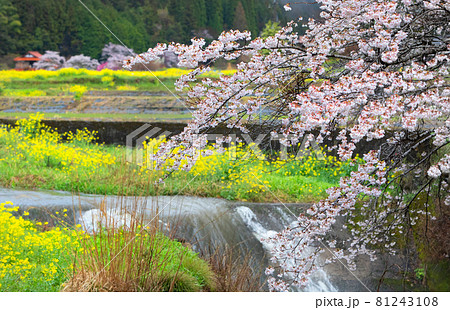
[204, 223]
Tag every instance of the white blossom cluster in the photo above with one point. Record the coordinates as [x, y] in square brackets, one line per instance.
[82, 62]
[50, 61]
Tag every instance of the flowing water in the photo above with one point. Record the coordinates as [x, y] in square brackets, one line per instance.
[204, 223]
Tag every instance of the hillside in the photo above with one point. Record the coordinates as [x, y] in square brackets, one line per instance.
[68, 27]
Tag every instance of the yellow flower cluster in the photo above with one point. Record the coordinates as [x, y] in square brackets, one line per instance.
[311, 163]
[171, 73]
[108, 80]
[83, 136]
[241, 167]
[243, 170]
[78, 90]
[30, 140]
[126, 88]
[27, 254]
[151, 147]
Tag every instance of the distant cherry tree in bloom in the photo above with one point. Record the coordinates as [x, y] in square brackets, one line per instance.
[368, 71]
[50, 61]
[82, 62]
[115, 54]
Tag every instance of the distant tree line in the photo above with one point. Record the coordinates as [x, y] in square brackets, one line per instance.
[66, 26]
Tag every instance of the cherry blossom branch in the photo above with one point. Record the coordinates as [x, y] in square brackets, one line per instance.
[369, 67]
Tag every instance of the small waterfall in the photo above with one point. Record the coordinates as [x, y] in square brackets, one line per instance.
[205, 223]
[318, 281]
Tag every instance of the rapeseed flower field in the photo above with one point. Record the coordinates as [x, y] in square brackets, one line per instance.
[32, 259]
[170, 73]
[244, 172]
[33, 143]
[33, 155]
[68, 81]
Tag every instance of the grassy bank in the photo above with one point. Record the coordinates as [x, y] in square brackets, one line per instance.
[114, 259]
[33, 156]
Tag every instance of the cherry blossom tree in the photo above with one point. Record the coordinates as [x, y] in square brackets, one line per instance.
[81, 61]
[50, 61]
[115, 54]
[368, 71]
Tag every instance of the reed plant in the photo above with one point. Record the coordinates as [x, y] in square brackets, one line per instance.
[127, 252]
[234, 270]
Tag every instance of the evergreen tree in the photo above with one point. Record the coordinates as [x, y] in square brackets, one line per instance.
[214, 15]
[10, 26]
[270, 29]
[249, 8]
[66, 25]
[240, 21]
[229, 9]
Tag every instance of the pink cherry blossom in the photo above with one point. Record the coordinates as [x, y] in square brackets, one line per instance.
[370, 71]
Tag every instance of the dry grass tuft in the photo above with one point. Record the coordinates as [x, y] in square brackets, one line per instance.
[126, 252]
[233, 271]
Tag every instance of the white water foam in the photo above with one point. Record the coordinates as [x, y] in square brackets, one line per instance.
[318, 281]
[94, 219]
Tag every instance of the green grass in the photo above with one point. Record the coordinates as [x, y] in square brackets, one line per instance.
[138, 260]
[99, 116]
[60, 85]
[299, 188]
[61, 88]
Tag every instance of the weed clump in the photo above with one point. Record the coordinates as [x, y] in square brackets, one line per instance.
[126, 252]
